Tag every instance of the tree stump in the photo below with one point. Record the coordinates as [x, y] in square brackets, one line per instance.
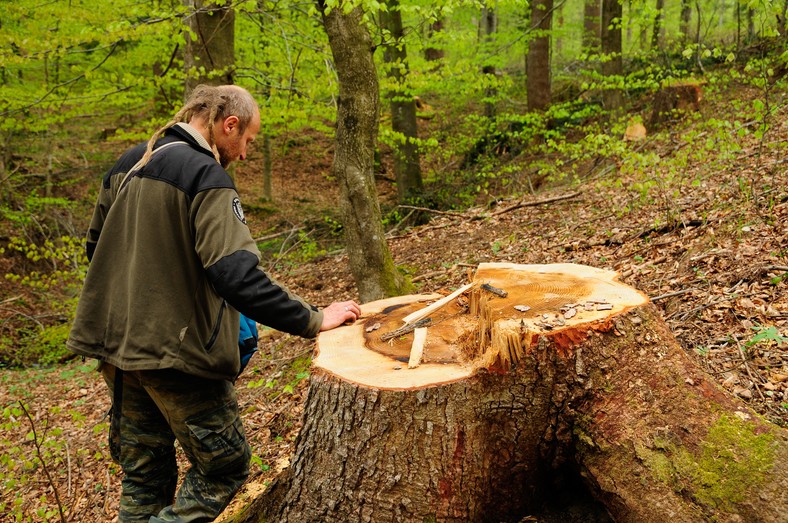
[674, 100]
[533, 371]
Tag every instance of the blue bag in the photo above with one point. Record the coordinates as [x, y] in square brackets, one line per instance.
[247, 341]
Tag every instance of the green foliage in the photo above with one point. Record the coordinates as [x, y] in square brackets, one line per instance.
[19, 469]
[766, 335]
[47, 269]
[286, 380]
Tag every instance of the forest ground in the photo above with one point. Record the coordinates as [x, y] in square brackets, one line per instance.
[709, 246]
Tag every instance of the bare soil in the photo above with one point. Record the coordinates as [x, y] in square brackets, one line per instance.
[711, 253]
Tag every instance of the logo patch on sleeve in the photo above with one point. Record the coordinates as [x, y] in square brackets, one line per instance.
[238, 211]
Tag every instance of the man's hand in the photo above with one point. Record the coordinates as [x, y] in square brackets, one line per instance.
[338, 313]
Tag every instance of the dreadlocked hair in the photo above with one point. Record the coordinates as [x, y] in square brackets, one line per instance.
[211, 104]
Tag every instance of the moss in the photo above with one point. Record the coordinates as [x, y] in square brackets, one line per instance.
[658, 464]
[731, 461]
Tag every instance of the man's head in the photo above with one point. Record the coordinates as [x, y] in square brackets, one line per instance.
[229, 118]
[226, 115]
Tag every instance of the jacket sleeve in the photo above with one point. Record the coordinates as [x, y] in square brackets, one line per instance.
[232, 261]
[103, 203]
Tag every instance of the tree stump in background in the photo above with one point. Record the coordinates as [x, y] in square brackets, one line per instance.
[674, 100]
[566, 369]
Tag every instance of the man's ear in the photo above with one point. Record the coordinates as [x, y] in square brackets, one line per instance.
[230, 123]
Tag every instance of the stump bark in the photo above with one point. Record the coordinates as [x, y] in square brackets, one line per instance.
[571, 370]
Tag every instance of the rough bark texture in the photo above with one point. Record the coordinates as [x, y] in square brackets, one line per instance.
[403, 107]
[210, 54]
[357, 123]
[659, 441]
[538, 63]
[615, 398]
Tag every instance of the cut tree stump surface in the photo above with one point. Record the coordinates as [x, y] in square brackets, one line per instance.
[477, 329]
[562, 373]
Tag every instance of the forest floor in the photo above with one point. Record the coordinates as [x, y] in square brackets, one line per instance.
[709, 246]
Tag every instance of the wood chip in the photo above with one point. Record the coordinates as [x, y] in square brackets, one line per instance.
[373, 327]
[570, 313]
[604, 306]
[522, 308]
[417, 349]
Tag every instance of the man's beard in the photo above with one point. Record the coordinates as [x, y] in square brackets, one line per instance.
[224, 158]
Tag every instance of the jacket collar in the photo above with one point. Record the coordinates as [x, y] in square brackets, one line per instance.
[189, 134]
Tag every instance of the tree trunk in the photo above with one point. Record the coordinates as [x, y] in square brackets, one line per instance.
[357, 125]
[403, 107]
[506, 399]
[750, 25]
[591, 25]
[538, 61]
[781, 22]
[686, 16]
[656, 35]
[210, 49]
[612, 65]
[261, 18]
[489, 27]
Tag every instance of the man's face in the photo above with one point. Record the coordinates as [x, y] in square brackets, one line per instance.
[233, 144]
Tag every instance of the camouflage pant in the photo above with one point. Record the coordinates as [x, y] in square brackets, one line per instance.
[158, 407]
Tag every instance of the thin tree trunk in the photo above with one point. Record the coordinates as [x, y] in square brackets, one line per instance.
[612, 65]
[684, 24]
[356, 130]
[782, 22]
[538, 61]
[210, 53]
[658, 17]
[489, 25]
[559, 42]
[750, 24]
[403, 107]
[267, 150]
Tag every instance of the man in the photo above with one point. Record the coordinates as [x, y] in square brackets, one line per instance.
[171, 264]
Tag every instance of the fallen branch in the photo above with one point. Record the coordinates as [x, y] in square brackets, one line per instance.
[433, 211]
[278, 234]
[535, 203]
[44, 465]
[671, 294]
[9, 300]
[747, 367]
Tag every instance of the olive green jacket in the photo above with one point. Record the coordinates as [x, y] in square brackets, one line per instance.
[171, 264]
